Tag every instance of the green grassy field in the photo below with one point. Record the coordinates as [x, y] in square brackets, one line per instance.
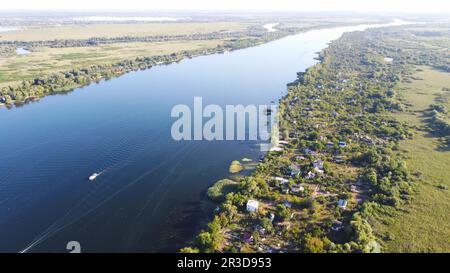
[425, 224]
[45, 60]
[48, 60]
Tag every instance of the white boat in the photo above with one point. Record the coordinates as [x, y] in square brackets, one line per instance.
[93, 177]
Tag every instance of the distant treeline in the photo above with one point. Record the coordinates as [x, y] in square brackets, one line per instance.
[8, 47]
[95, 41]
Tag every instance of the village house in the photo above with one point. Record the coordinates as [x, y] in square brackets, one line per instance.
[339, 159]
[309, 151]
[281, 180]
[318, 171]
[297, 189]
[272, 217]
[310, 175]
[285, 189]
[295, 170]
[318, 164]
[252, 206]
[337, 226]
[261, 230]
[342, 203]
[283, 142]
[367, 140]
[276, 149]
[300, 158]
[248, 238]
[293, 134]
[287, 204]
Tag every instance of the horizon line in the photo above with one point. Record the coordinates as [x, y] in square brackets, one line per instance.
[37, 10]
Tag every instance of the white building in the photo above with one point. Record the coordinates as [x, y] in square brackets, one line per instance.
[252, 206]
[281, 180]
[342, 204]
[318, 164]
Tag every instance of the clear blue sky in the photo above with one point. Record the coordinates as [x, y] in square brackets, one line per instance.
[292, 5]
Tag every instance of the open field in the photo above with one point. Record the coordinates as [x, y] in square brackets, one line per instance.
[48, 60]
[86, 31]
[425, 225]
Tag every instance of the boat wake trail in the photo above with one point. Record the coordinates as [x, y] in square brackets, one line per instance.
[100, 194]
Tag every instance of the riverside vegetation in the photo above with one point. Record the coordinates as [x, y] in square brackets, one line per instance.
[350, 177]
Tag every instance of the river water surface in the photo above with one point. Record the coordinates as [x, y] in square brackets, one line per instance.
[150, 196]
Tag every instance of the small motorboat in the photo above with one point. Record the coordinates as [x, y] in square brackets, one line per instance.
[93, 177]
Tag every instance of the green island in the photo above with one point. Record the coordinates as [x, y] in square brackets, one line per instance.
[364, 162]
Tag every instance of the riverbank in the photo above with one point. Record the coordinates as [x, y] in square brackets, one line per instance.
[338, 179]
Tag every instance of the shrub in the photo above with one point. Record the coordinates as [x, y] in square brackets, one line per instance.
[236, 167]
[221, 188]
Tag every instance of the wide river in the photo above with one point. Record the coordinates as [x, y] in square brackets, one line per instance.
[150, 196]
